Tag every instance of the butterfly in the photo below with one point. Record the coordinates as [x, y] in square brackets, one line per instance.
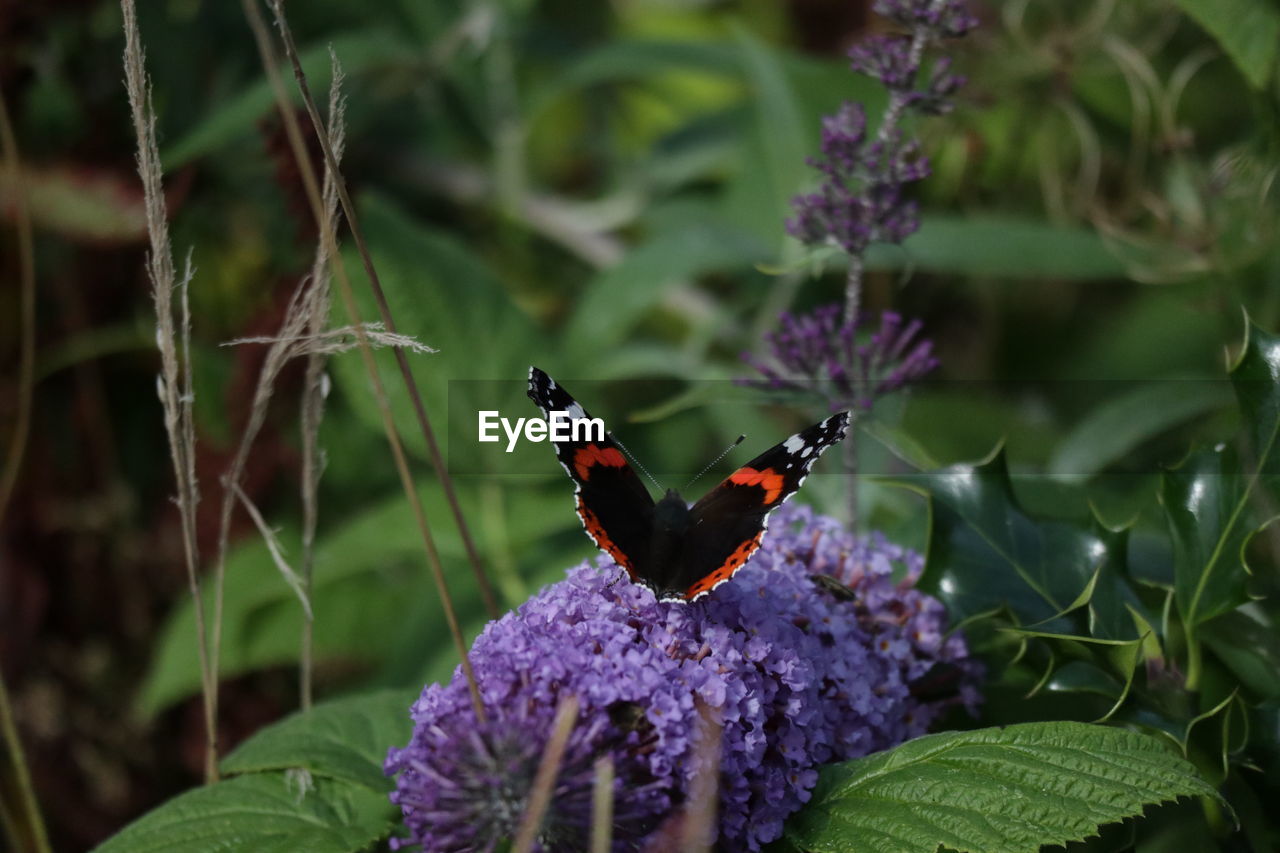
[678, 551]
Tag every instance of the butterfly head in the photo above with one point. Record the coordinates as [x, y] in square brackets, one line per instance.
[672, 513]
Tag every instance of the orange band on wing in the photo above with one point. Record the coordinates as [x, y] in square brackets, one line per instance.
[596, 531]
[585, 458]
[726, 570]
[768, 479]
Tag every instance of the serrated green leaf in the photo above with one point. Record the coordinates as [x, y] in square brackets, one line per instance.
[343, 739]
[1010, 790]
[986, 551]
[262, 813]
[1248, 30]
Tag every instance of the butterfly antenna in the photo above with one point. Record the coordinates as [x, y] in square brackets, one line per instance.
[722, 455]
[636, 462]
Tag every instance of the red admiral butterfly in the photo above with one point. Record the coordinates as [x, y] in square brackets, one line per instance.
[679, 552]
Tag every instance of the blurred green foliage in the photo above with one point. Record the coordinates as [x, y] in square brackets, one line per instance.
[600, 189]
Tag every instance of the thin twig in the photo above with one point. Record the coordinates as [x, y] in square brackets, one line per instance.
[384, 311]
[293, 339]
[27, 317]
[262, 36]
[698, 831]
[602, 806]
[276, 550]
[174, 382]
[314, 388]
[13, 463]
[544, 782]
[26, 791]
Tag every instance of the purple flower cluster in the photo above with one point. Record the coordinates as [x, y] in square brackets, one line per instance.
[820, 353]
[861, 197]
[798, 673]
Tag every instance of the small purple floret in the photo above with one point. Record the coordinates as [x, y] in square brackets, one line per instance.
[818, 353]
[797, 675]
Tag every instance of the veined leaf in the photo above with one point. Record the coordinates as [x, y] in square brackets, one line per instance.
[1010, 790]
[1205, 500]
[343, 739]
[986, 551]
[262, 812]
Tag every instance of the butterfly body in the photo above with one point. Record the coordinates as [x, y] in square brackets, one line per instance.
[679, 551]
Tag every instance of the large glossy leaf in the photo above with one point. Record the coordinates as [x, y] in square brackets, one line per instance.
[1205, 502]
[263, 813]
[343, 739]
[1009, 790]
[1248, 30]
[986, 552]
[1255, 377]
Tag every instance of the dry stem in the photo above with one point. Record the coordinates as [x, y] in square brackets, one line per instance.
[174, 382]
[267, 55]
[384, 311]
[544, 781]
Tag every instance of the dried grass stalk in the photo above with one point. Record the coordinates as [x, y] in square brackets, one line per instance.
[174, 341]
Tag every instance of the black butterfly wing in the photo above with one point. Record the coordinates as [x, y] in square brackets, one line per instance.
[615, 507]
[730, 520]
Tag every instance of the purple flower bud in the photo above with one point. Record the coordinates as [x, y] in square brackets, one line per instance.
[817, 353]
[859, 199]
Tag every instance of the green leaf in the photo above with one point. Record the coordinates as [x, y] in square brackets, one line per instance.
[985, 551]
[225, 122]
[617, 298]
[778, 126]
[371, 593]
[1116, 427]
[262, 812]
[1000, 246]
[1205, 501]
[1249, 648]
[1248, 30]
[1004, 790]
[443, 294]
[344, 739]
[1255, 377]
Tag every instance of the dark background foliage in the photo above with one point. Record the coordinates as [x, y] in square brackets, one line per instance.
[598, 189]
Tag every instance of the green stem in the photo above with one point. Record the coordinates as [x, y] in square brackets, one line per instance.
[18, 761]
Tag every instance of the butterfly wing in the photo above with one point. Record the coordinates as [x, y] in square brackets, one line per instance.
[615, 507]
[730, 520]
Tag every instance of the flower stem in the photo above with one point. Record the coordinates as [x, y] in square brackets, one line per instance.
[851, 471]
